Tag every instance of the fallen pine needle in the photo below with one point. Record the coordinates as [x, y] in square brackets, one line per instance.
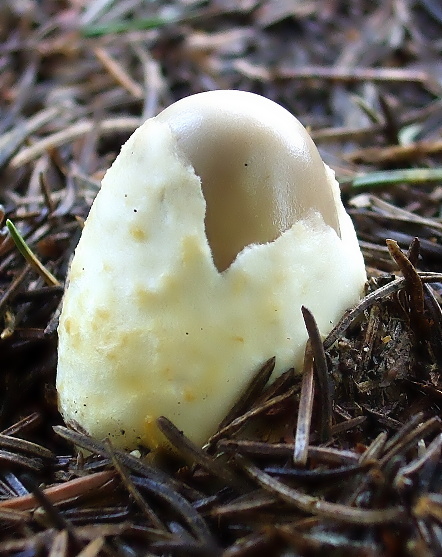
[62, 492]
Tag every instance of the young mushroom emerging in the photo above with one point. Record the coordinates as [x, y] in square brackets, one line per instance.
[215, 224]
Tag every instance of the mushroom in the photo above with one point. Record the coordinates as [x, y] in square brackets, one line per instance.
[215, 224]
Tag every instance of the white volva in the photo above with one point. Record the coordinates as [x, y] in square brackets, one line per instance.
[216, 222]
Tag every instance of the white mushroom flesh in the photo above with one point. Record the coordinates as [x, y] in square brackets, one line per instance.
[215, 224]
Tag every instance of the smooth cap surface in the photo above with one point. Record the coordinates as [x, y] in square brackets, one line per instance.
[260, 170]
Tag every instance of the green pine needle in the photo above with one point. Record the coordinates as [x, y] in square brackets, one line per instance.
[389, 177]
[125, 26]
[23, 248]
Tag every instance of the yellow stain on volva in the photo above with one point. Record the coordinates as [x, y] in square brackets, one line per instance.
[189, 395]
[191, 249]
[143, 295]
[137, 233]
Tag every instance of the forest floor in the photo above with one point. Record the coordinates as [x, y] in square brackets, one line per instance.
[362, 474]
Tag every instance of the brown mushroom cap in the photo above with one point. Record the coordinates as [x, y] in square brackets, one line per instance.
[259, 168]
